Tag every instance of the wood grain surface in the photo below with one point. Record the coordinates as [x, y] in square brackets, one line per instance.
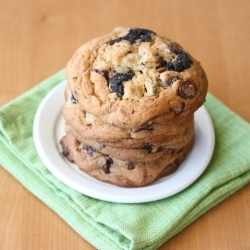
[37, 38]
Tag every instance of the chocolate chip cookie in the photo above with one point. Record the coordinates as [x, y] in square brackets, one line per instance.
[131, 76]
[92, 127]
[169, 141]
[118, 172]
[148, 152]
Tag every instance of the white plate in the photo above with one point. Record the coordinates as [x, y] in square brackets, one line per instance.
[48, 129]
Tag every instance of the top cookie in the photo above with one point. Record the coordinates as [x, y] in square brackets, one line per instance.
[131, 76]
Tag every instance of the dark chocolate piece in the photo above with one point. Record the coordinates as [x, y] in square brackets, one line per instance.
[131, 166]
[187, 90]
[90, 150]
[178, 110]
[161, 64]
[144, 126]
[169, 82]
[148, 147]
[103, 73]
[73, 99]
[65, 151]
[111, 161]
[105, 167]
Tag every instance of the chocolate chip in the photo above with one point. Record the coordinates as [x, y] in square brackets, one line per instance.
[160, 149]
[131, 166]
[66, 152]
[90, 150]
[148, 147]
[187, 90]
[161, 64]
[73, 99]
[115, 82]
[103, 73]
[105, 167]
[161, 70]
[178, 110]
[173, 166]
[169, 82]
[181, 63]
[134, 35]
[144, 126]
[110, 160]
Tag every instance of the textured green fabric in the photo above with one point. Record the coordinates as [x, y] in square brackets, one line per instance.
[109, 225]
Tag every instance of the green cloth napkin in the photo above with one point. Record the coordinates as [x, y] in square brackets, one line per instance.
[108, 225]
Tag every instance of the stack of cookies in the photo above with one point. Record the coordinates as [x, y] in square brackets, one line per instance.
[130, 103]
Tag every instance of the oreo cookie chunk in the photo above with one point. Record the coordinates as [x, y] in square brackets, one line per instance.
[116, 81]
[181, 63]
[135, 35]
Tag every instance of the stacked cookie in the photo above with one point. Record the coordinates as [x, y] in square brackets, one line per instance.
[130, 103]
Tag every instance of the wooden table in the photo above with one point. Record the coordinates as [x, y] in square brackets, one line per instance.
[38, 38]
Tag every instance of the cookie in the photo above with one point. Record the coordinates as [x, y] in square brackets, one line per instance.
[94, 128]
[146, 153]
[131, 76]
[167, 141]
[118, 172]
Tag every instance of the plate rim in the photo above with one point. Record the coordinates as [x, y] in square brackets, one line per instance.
[124, 195]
